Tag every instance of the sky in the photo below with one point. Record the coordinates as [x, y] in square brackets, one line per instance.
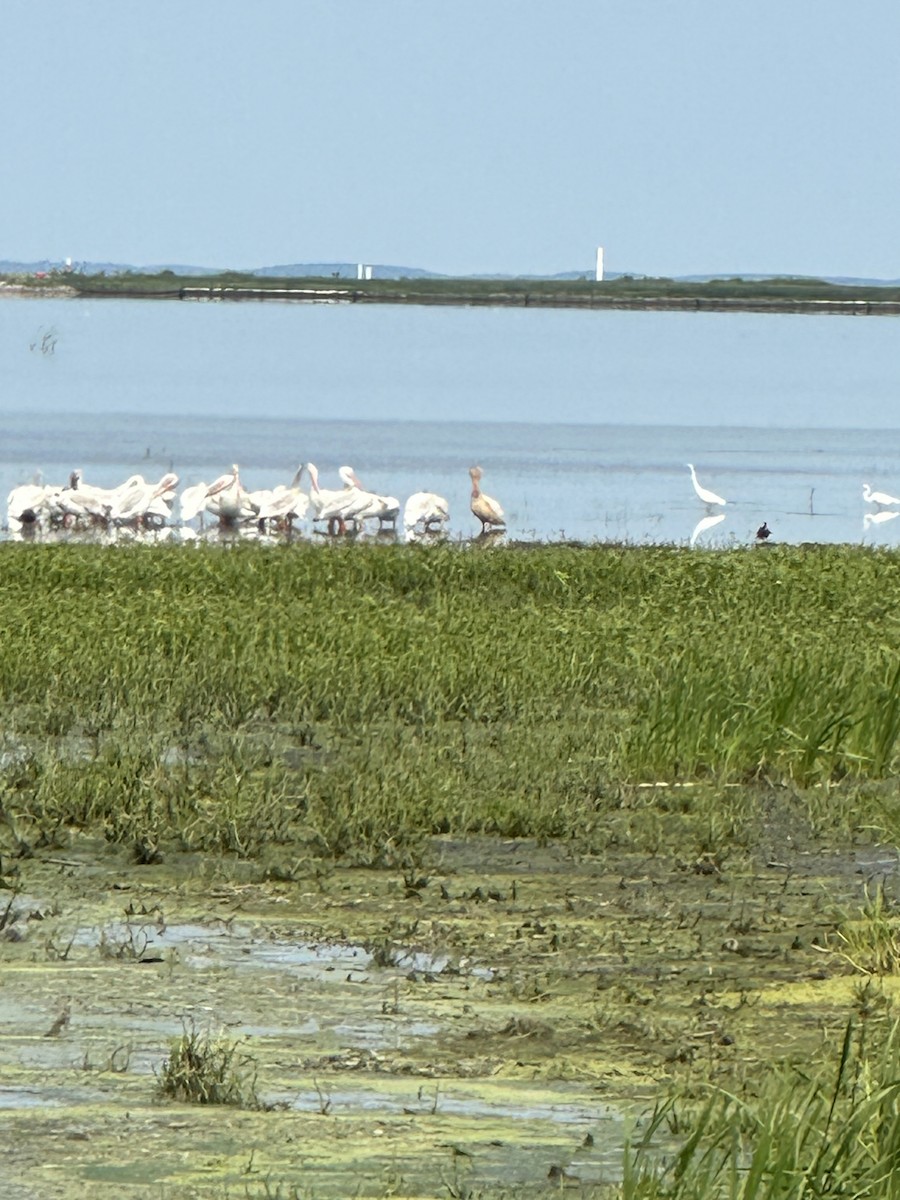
[477, 137]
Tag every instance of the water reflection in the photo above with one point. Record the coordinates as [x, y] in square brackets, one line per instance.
[879, 518]
[704, 524]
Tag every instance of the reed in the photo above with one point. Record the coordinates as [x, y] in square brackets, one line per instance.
[356, 699]
[826, 1132]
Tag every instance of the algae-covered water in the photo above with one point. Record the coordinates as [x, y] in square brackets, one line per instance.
[509, 1015]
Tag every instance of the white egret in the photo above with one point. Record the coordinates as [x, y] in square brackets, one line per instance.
[705, 494]
[871, 497]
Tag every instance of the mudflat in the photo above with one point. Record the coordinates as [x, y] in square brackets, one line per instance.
[498, 1018]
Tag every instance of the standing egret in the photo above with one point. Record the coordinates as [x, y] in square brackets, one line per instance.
[871, 497]
[705, 494]
[485, 508]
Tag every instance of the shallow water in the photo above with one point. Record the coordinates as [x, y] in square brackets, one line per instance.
[583, 422]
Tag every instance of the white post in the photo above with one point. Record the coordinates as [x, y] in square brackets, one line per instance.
[359, 270]
[368, 272]
[599, 264]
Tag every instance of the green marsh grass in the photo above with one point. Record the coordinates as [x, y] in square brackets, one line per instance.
[869, 941]
[353, 700]
[203, 1068]
[820, 1131]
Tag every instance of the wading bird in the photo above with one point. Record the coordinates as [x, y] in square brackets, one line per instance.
[485, 508]
[871, 497]
[426, 509]
[227, 499]
[332, 504]
[705, 494]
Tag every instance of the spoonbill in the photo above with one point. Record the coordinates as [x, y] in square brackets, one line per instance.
[485, 508]
[705, 494]
[871, 497]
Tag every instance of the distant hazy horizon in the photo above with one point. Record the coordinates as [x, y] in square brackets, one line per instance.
[504, 139]
[348, 269]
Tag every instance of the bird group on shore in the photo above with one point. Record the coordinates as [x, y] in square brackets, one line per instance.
[143, 505]
[140, 504]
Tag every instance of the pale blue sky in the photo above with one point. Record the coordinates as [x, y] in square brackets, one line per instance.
[479, 136]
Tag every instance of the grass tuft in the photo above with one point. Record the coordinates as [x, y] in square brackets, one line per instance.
[207, 1069]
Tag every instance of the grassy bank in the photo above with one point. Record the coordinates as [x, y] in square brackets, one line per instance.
[604, 822]
[354, 700]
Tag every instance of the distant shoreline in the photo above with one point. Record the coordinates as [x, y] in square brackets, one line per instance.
[640, 296]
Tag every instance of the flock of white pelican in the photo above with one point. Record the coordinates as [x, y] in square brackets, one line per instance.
[139, 504]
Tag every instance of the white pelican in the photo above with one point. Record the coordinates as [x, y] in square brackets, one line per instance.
[192, 501]
[139, 502]
[29, 505]
[485, 508]
[871, 497]
[285, 504]
[705, 494]
[227, 499]
[80, 502]
[425, 509]
[330, 504]
[366, 505]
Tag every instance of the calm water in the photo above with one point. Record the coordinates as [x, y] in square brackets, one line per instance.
[583, 422]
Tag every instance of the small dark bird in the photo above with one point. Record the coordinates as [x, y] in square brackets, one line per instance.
[763, 532]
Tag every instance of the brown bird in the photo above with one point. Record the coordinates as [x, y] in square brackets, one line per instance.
[763, 532]
[485, 508]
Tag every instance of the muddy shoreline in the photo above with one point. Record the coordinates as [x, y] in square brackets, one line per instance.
[506, 1011]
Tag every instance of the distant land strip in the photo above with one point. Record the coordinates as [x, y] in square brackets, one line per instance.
[545, 300]
[734, 295]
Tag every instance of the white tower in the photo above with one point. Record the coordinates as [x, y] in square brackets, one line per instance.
[599, 276]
